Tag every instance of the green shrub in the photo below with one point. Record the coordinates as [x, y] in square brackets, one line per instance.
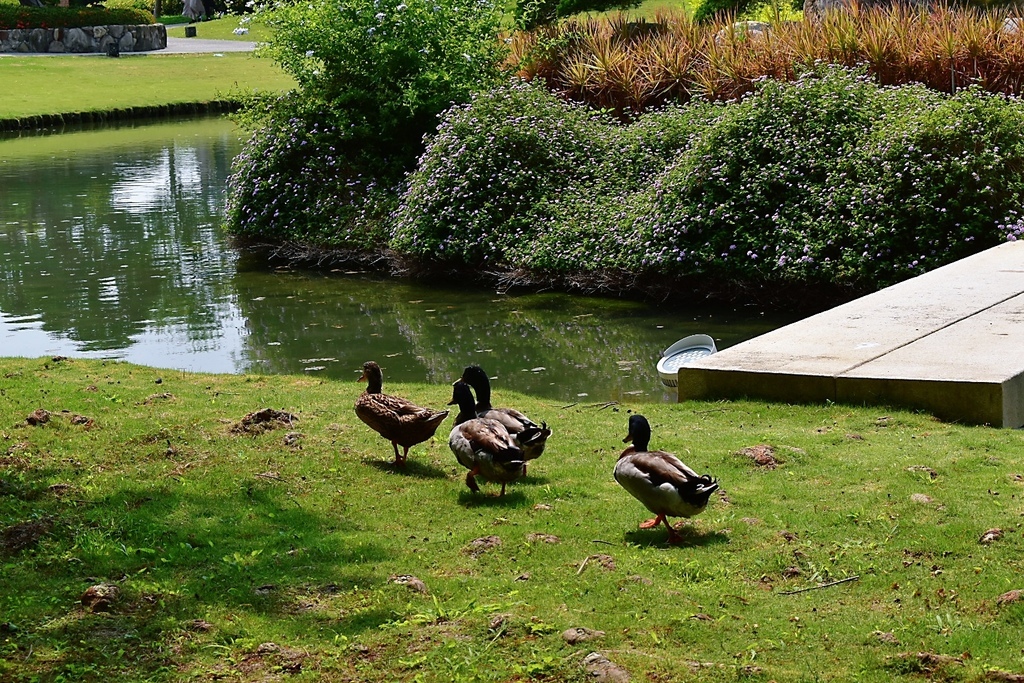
[829, 179]
[297, 179]
[141, 5]
[15, 16]
[493, 172]
[373, 76]
[168, 8]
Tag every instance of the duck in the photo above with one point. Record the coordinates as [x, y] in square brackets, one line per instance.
[660, 480]
[531, 437]
[398, 420]
[483, 445]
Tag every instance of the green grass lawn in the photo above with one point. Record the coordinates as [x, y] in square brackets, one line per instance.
[58, 85]
[222, 29]
[288, 554]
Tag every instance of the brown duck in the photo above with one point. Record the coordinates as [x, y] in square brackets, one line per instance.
[482, 445]
[398, 420]
[530, 436]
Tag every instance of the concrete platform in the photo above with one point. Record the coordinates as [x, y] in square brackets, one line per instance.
[950, 342]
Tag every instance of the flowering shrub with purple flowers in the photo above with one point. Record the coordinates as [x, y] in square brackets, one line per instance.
[829, 179]
[294, 180]
[372, 76]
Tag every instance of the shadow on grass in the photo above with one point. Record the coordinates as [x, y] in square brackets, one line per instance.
[412, 468]
[646, 538]
[488, 497]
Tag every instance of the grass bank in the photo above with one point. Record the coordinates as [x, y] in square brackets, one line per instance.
[223, 29]
[39, 86]
[300, 552]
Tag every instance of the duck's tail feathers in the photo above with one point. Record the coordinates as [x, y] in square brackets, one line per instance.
[706, 485]
[438, 417]
[512, 465]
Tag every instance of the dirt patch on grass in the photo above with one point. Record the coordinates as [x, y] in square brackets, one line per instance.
[22, 535]
[763, 456]
[479, 546]
[263, 420]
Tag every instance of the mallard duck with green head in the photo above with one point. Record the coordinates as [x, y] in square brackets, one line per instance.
[660, 480]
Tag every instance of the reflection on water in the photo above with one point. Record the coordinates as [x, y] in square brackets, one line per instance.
[111, 247]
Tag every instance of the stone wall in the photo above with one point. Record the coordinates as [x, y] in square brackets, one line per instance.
[138, 38]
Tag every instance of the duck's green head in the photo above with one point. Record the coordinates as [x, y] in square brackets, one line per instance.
[639, 432]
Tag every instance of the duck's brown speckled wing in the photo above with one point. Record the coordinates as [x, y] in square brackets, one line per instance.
[398, 419]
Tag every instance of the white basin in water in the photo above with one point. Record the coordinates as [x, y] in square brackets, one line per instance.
[683, 352]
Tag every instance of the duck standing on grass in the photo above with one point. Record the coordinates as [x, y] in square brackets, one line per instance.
[398, 420]
[660, 480]
[482, 445]
[530, 436]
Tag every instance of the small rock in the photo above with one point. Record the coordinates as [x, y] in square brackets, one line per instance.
[603, 670]
[886, 637]
[792, 572]
[789, 536]
[580, 634]
[82, 421]
[498, 622]
[543, 538]
[410, 582]
[101, 597]
[268, 648]
[991, 536]
[38, 417]
[1010, 597]
[525, 576]
[921, 498]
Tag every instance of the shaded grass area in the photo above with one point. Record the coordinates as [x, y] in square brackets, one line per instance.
[61, 85]
[287, 552]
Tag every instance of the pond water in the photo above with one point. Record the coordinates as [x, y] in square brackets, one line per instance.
[111, 247]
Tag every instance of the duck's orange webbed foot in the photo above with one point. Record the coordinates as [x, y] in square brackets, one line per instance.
[674, 536]
[651, 523]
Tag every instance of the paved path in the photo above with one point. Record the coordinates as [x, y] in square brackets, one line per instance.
[180, 46]
[947, 341]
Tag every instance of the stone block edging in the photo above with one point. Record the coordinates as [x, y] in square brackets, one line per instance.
[137, 38]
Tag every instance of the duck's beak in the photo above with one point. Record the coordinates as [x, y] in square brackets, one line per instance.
[362, 377]
[628, 439]
[451, 402]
